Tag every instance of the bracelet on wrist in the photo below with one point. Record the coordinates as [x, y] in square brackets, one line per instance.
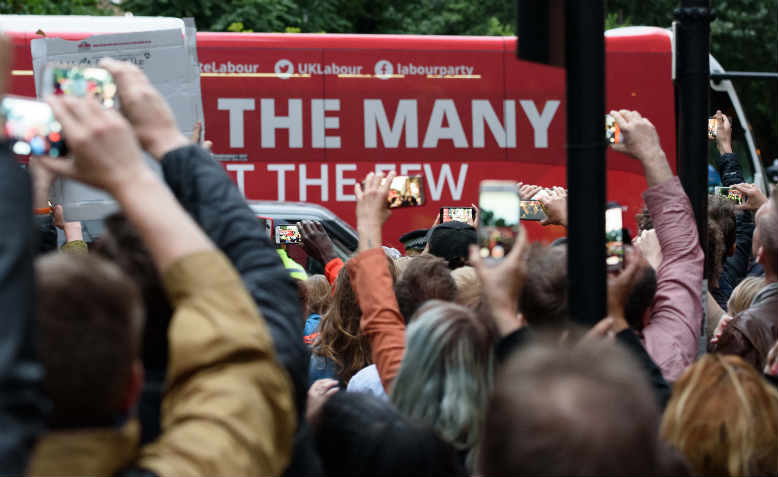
[42, 211]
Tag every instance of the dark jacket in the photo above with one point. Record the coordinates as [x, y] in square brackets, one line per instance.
[509, 344]
[751, 333]
[47, 233]
[736, 266]
[206, 191]
[22, 404]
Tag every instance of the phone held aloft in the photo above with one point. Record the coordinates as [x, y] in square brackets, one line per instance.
[614, 237]
[288, 234]
[81, 82]
[404, 191]
[612, 131]
[729, 193]
[31, 128]
[499, 217]
[713, 125]
[457, 214]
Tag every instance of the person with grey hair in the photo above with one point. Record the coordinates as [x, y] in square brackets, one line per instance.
[446, 374]
[439, 370]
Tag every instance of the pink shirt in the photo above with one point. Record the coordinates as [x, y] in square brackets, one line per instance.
[672, 333]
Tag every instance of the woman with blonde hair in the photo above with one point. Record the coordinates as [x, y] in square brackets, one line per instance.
[724, 418]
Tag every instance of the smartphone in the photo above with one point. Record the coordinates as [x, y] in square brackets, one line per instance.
[287, 234]
[531, 210]
[80, 81]
[730, 193]
[612, 130]
[458, 214]
[499, 217]
[614, 237]
[713, 125]
[406, 191]
[31, 128]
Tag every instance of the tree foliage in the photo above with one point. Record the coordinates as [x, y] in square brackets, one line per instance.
[56, 7]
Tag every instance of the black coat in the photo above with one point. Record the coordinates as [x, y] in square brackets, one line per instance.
[206, 191]
[22, 404]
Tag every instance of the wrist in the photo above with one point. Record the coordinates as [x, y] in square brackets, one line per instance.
[73, 231]
[163, 142]
[127, 190]
[724, 147]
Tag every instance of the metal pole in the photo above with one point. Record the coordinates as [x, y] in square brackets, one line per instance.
[692, 84]
[585, 64]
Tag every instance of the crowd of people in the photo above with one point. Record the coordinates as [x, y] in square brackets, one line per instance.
[182, 342]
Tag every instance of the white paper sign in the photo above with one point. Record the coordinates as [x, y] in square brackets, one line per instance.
[165, 56]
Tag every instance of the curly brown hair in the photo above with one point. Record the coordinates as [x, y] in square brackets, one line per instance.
[340, 338]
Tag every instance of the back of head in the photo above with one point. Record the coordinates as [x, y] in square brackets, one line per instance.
[426, 277]
[90, 318]
[340, 338]
[468, 287]
[451, 241]
[767, 223]
[359, 434]
[722, 211]
[543, 300]
[717, 253]
[446, 372]
[581, 411]
[744, 294]
[724, 418]
[319, 294]
[121, 245]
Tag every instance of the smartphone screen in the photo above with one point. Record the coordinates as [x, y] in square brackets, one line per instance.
[730, 193]
[713, 125]
[287, 234]
[82, 82]
[31, 128]
[614, 238]
[406, 191]
[498, 204]
[532, 210]
[457, 214]
[612, 130]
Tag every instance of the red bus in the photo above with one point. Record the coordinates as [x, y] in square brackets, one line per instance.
[303, 117]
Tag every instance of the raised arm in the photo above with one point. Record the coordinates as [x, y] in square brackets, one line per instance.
[223, 383]
[672, 333]
[381, 319]
[211, 198]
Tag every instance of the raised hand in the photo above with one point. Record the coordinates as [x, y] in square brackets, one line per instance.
[723, 133]
[372, 209]
[316, 242]
[641, 141]
[147, 111]
[107, 154]
[502, 283]
[555, 207]
[528, 191]
[753, 197]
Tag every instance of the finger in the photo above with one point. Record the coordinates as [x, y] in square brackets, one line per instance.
[196, 130]
[207, 145]
[358, 191]
[621, 119]
[77, 107]
[126, 75]
[330, 392]
[368, 181]
[601, 328]
[63, 167]
[384, 188]
[62, 114]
